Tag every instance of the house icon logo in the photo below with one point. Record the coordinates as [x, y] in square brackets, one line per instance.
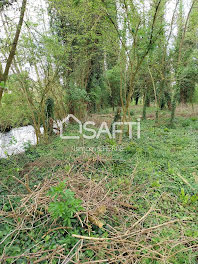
[66, 121]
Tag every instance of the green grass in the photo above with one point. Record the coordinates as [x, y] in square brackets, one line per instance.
[160, 168]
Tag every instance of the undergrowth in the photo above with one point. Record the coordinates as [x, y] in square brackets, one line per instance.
[140, 200]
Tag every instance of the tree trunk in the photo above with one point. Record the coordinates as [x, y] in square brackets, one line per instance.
[4, 76]
[144, 105]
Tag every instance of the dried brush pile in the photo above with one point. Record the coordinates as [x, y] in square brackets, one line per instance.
[126, 236]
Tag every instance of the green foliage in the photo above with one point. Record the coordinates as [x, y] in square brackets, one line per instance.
[188, 199]
[2, 84]
[27, 146]
[49, 108]
[98, 94]
[186, 123]
[76, 2]
[112, 78]
[194, 118]
[77, 94]
[64, 205]
[14, 109]
[77, 100]
[195, 97]
[131, 148]
[145, 173]
[132, 113]
[81, 63]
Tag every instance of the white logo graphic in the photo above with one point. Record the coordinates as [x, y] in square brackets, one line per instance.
[66, 121]
[104, 129]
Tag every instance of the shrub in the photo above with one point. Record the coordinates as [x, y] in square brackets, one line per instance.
[64, 204]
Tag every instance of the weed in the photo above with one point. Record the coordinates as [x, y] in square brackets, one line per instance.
[64, 204]
[145, 173]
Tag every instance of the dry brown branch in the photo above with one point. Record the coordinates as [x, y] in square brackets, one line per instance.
[127, 237]
[24, 184]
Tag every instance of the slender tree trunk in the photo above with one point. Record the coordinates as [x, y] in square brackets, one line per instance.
[4, 75]
[175, 96]
[1, 92]
[173, 107]
[145, 104]
[155, 93]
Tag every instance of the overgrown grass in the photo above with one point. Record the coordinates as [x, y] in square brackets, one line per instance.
[158, 171]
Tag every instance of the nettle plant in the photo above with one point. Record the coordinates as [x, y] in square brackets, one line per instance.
[64, 205]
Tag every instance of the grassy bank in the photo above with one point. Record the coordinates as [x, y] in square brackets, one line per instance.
[139, 199]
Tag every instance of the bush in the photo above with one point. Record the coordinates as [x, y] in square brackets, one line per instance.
[186, 123]
[14, 111]
[64, 205]
[77, 100]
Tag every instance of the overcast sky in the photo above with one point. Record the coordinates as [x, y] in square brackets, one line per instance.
[37, 12]
[34, 7]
